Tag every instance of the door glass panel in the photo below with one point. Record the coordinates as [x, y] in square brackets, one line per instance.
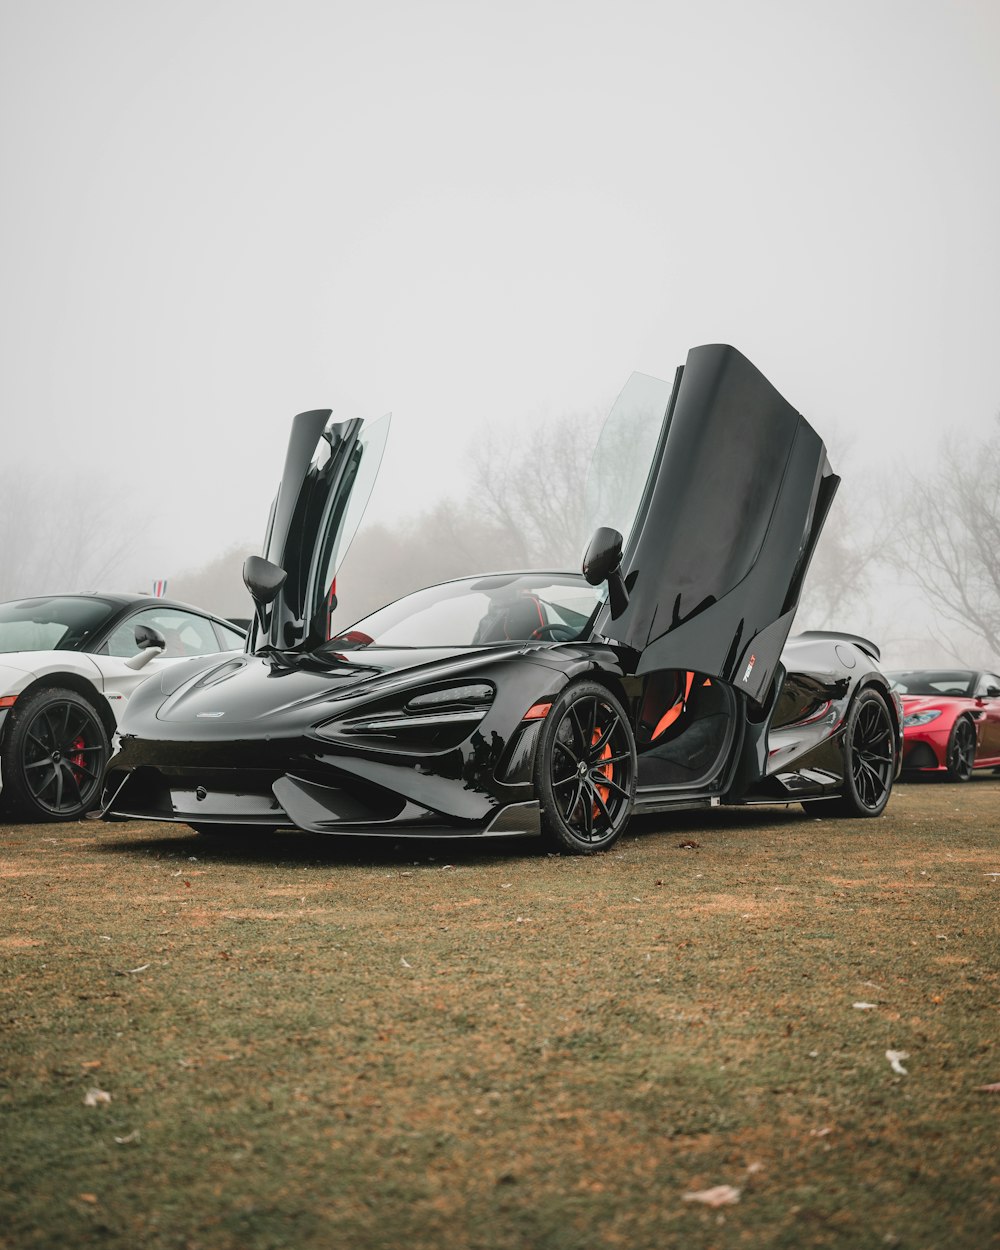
[623, 459]
[185, 633]
[344, 512]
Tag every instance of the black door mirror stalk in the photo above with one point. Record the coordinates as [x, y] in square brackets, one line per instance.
[602, 562]
[264, 580]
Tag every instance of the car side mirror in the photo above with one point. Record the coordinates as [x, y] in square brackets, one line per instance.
[150, 643]
[602, 562]
[992, 692]
[264, 580]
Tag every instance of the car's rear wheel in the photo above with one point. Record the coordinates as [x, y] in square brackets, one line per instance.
[54, 756]
[961, 757]
[585, 770]
[870, 759]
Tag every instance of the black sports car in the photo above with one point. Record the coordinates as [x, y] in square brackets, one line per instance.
[533, 702]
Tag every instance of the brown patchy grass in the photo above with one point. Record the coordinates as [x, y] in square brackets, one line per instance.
[314, 1043]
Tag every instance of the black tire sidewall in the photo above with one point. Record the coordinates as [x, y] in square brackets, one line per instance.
[851, 803]
[955, 729]
[555, 831]
[16, 790]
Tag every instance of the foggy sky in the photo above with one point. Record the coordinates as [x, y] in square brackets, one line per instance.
[216, 214]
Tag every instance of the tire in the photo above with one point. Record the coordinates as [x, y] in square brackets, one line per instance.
[961, 755]
[870, 759]
[585, 770]
[54, 756]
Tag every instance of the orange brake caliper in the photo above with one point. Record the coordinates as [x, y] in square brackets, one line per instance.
[606, 771]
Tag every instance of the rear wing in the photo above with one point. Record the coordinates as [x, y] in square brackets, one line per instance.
[836, 635]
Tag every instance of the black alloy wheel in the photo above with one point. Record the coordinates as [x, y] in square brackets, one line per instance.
[961, 757]
[54, 757]
[869, 757]
[585, 770]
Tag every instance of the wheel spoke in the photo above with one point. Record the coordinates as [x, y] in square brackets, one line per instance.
[561, 746]
[581, 741]
[610, 784]
[588, 812]
[599, 800]
[603, 740]
[568, 812]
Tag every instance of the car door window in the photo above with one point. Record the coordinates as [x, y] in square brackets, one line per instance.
[230, 639]
[184, 632]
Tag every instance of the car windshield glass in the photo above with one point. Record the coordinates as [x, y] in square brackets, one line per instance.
[481, 611]
[622, 461]
[56, 623]
[934, 681]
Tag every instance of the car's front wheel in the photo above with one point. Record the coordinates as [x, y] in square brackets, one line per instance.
[961, 750]
[585, 770]
[54, 756]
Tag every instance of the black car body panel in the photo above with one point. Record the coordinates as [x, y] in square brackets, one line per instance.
[738, 495]
[392, 728]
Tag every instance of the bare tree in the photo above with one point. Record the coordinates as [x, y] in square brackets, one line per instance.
[60, 534]
[838, 584]
[948, 540]
[529, 482]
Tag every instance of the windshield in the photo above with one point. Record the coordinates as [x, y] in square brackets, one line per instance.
[934, 681]
[56, 623]
[481, 611]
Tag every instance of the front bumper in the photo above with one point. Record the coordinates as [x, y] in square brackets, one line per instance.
[925, 749]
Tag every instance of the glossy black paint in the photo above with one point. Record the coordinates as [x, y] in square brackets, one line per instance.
[293, 736]
[716, 561]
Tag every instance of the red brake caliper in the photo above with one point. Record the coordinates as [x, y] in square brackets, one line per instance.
[76, 759]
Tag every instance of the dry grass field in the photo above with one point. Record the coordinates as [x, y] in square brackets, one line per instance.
[303, 1042]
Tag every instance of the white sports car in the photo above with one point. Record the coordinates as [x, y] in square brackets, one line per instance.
[68, 665]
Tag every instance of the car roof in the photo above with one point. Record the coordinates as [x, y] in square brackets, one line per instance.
[121, 599]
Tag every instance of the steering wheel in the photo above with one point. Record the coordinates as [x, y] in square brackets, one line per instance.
[554, 633]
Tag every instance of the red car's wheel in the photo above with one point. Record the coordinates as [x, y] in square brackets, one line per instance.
[961, 750]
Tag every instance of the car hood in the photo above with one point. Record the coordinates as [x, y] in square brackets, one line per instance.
[254, 689]
[737, 491]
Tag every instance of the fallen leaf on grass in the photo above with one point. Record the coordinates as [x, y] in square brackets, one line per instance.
[865, 1006]
[717, 1196]
[989, 1089]
[896, 1058]
[91, 1198]
[404, 963]
[131, 1137]
[96, 1097]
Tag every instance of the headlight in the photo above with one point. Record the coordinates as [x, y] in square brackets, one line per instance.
[448, 708]
[481, 692]
[919, 718]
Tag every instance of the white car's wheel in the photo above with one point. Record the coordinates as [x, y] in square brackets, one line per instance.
[54, 755]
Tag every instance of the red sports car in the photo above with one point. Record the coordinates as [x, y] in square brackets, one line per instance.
[951, 721]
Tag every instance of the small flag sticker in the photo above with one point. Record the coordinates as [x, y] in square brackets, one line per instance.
[159, 588]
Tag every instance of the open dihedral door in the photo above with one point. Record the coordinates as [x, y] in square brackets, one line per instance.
[330, 470]
[735, 496]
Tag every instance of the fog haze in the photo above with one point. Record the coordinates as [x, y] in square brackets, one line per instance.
[217, 214]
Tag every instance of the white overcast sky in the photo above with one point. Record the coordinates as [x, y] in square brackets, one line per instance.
[215, 214]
